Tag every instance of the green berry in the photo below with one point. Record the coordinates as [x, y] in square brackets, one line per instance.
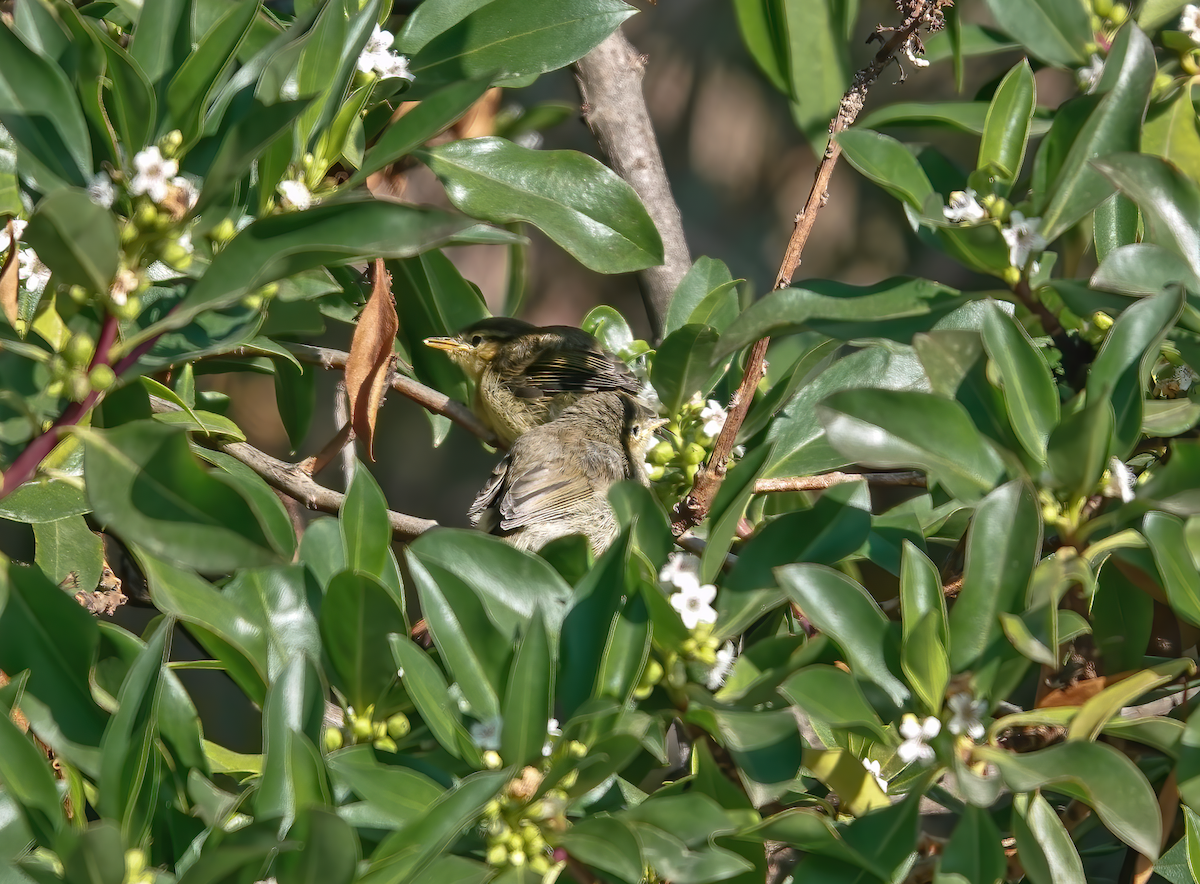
[146, 216]
[694, 453]
[1102, 8]
[363, 732]
[223, 232]
[661, 453]
[101, 378]
[398, 726]
[1119, 14]
[333, 739]
[79, 349]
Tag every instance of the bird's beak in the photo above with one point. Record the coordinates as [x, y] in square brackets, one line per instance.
[448, 343]
[658, 423]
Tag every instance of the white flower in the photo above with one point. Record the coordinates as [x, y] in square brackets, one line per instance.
[552, 730]
[100, 190]
[18, 227]
[1189, 22]
[966, 716]
[1120, 480]
[681, 571]
[713, 416]
[964, 208]
[694, 604]
[873, 769]
[917, 735]
[911, 48]
[1022, 238]
[393, 65]
[154, 174]
[378, 56]
[35, 273]
[187, 190]
[379, 43]
[296, 194]
[486, 734]
[1089, 76]
[185, 242]
[720, 670]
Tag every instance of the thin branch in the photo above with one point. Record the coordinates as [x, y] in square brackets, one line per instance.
[426, 397]
[695, 506]
[294, 480]
[1050, 323]
[614, 108]
[909, 478]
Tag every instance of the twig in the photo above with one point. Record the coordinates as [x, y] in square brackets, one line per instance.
[1050, 323]
[426, 397]
[909, 478]
[614, 108]
[695, 506]
[339, 444]
[294, 480]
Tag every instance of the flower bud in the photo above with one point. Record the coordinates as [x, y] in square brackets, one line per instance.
[385, 744]
[128, 232]
[129, 310]
[517, 857]
[497, 855]
[58, 367]
[1011, 276]
[177, 256]
[254, 301]
[1119, 14]
[79, 349]
[1102, 320]
[398, 726]
[492, 760]
[661, 453]
[171, 143]
[101, 378]
[146, 216]
[223, 232]
[694, 453]
[270, 290]
[333, 739]
[1102, 7]
[78, 294]
[655, 474]
[78, 387]
[362, 730]
[1188, 62]
[539, 864]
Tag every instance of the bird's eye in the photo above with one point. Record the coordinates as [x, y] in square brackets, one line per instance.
[476, 340]
[637, 429]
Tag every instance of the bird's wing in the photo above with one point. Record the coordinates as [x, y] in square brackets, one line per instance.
[574, 371]
[548, 491]
[484, 511]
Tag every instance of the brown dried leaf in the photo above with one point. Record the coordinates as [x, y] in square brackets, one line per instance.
[8, 279]
[371, 356]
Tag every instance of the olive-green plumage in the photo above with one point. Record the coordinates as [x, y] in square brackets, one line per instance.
[555, 479]
[526, 375]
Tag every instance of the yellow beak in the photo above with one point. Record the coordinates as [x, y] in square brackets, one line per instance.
[448, 343]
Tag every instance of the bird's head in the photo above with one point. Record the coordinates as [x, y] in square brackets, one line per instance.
[477, 345]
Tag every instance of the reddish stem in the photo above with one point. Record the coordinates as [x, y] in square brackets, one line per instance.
[35, 452]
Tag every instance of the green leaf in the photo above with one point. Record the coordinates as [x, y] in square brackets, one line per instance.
[130, 760]
[39, 109]
[399, 792]
[764, 32]
[1002, 547]
[1054, 31]
[511, 39]
[427, 689]
[1093, 715]
[833, 696]
[575, 200]
[329, 854]
[366, 534]
[974, 849]
[293, 776]
[1077, 453]
[69, 553]
[356, 617]
[924, 660]
[1007, 128]
[1114, 225]
[888, 163]
[921, 593]
[840, 607]
[526, 709]
[1113, 127]
[76, 238]
[44, 500]
[1048, 854]
[433, 114]
[282, 245]
[839, 310]
[161, 39]
[1180, 578]
[891, 428]
[683, 365]
[1030, 393]
[1095, 773]
[607, 844]
[706, 277]
[96, 856]
[144, 483]
[845, 774]
[27, 777]
[818, 62]
[402, 856]
[1169, 201]
[1170, 132]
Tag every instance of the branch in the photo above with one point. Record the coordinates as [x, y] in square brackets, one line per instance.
[426, 397]
[296, 482]
[610, 86]
[694, 508]
[910, 478]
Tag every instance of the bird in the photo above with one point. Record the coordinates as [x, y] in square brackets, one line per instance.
[555, 479]
[526, 375]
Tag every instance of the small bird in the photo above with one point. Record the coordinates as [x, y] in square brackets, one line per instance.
[554, 481]
[525, 375]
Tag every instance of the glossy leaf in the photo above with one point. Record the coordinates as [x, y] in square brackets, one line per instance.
[840, 607]
[974, 849]
[707, 279]
[1055, 32]
[1030, 394]
[427, 688]
[1170, 132]
[144, 483]
[527, 700]
[76, 238]
[1180, 578]
[1111, 128]
[1006, 130]
[833, 696]
[1096, 774]
[366, 534]
[579, 203]
[888, 163]
[1002, 548]
[886, 428]
[683, 365]
[69, 553]
[1048, 854]
[357, 616]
